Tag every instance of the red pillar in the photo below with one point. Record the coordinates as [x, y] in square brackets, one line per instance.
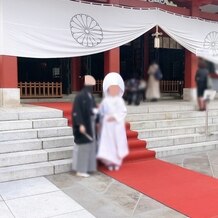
[195, 8]
[191, 66]
[8, 72]
[112, 57]
[191, 62]
[75, 73]
[112, 61]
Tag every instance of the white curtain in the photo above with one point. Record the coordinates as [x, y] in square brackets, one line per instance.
[63, 28]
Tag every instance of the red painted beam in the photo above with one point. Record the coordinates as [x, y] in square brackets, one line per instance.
[142, 4]
[209, 16]
[179, 10]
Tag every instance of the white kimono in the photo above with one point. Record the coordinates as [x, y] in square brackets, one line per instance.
[113, 146]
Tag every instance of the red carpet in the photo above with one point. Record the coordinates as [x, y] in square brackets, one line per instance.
[190, 193]
[66, 107]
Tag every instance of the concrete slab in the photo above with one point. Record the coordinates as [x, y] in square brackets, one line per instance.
[78, 214]
[4, 211]
[44, 205]
[27, 187]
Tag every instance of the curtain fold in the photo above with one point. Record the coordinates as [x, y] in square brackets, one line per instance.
[63, 28]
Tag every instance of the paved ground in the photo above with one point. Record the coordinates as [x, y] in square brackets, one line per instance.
[107, 198]
[37, 198]
[67, 196]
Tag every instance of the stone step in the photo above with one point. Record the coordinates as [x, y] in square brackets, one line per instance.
[35, 170]
[35, 144]
[19, 158]
[161, 107]
[35, 156]
[56, 142]
[169, 115]
[29, 124]
[15, 125]
[59, 153]
[20, 145]
[54, 132]
[18, 135]
[26, 171]
[185, 149]
[7, 116]
[171, 123]
[35, 133]
[48, 123]
[167, 106]
[29, 112]
[62, 166]
[180, 140]
[50, 113]
[173, 131]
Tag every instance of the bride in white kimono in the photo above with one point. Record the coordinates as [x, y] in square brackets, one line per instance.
[113, 146]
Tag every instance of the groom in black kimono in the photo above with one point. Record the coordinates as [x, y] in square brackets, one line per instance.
[84, 153]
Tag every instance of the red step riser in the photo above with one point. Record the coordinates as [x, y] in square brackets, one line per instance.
[140, 156]
[127, 126]
[131, 134]
[136, 144]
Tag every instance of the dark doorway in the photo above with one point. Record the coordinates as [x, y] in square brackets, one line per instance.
[170, 56]
[65, 69]
[45, 70]
[132, 58]
[93, 65]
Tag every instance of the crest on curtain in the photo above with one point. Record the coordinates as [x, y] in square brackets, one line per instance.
[211, 42]
[86, 30]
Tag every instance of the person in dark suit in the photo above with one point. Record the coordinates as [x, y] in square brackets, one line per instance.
[84, 116]
[201, 78]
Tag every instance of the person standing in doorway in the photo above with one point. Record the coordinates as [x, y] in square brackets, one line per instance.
[153, 86]
[132, 88]
[142, 89]
[84, 153]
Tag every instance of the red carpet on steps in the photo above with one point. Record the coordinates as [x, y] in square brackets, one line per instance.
[137, 147]
[192, 194]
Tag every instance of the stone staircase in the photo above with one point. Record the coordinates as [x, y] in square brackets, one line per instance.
[34, 141]
[173, 128]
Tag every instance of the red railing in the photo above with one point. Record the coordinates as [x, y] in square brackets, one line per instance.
[165, 86]
[171, 86]
[40, 89]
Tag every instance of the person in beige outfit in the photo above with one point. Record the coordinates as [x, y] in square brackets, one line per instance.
[153, 85]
